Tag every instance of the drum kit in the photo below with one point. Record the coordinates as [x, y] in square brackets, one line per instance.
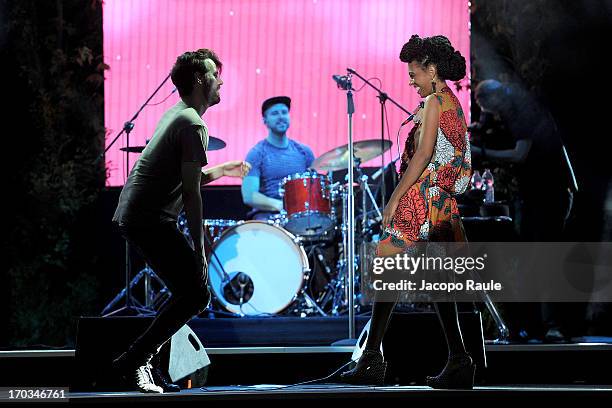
[294, 263]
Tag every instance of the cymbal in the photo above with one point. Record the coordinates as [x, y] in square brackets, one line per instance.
[214, 143]
[133, 149]
[338, 158]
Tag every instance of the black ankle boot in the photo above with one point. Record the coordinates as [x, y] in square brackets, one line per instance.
[457, 374]
[370, 370]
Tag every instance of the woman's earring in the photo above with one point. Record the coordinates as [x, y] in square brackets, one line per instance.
[433, 85]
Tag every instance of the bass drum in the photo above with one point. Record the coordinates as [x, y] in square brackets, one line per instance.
[257, 268]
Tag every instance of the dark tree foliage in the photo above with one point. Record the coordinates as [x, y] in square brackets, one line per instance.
[53, 135]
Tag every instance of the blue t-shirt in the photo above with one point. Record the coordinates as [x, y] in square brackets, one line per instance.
[271, 164]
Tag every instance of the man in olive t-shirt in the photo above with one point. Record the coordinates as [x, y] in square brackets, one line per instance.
[167, 178]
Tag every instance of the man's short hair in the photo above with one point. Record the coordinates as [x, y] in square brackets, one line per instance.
[285, 100]
[187, 64]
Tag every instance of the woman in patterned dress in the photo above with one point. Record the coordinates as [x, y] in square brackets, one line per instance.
[436, 166]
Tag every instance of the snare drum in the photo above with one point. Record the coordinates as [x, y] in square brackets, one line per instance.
[272, 263]
[307, 206]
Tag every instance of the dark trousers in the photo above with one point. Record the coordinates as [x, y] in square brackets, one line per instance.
[184, 272]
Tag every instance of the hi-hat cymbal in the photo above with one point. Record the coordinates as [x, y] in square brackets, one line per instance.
[338, 158]
[214, 143]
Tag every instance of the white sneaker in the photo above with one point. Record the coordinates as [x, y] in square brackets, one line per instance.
[143, 380]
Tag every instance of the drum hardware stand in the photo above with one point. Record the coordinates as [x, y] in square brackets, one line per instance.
[314, 251]
[340, 287]
[153, 300]
[363, 181]
[502, 330]
[321, 257]
[308, 303]
[131, 307]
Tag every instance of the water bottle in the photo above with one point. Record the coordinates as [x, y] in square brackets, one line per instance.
[476, 181]
[487, 179]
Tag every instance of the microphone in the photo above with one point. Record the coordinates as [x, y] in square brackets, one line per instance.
[243, 279]
[239, 289]
[342, 81]
[408, 119]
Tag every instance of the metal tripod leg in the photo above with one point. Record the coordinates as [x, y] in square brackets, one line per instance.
[310, 302]
[151, 301]
[364, 182]
[502, 329]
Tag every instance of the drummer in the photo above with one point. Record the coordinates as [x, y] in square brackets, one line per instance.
[272, 159]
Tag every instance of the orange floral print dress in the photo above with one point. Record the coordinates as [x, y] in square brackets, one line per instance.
[428, 210]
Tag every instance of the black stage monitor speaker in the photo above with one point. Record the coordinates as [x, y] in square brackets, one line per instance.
[100, 340]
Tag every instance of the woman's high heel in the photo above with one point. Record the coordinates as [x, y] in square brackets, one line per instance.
[457, 374]
[370, 370]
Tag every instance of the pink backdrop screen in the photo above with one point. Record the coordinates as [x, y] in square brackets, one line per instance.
[268, 48]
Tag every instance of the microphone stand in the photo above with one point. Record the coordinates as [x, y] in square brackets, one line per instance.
[349, 248]
[383, 97]
[130, 308]
[129, 125]
[351, 213]
[350, 241]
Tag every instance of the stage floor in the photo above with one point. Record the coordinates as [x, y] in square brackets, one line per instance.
[321, 392]
[530, 365]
